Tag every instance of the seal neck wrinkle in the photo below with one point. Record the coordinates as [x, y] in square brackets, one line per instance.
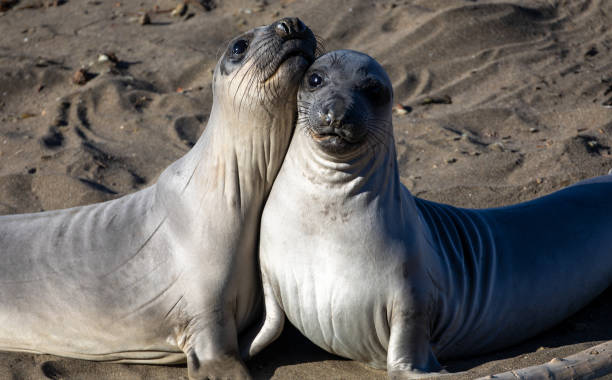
[367, 171]
[244, 157]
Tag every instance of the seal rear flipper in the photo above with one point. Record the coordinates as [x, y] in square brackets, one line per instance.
[266, 331]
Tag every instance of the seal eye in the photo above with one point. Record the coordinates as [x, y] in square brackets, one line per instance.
[239, 49]
[315, 80]
[375, 92]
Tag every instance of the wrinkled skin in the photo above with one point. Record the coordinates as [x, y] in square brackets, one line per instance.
[369, 272]
[168, 273]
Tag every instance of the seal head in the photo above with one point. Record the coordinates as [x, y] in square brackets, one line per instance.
[344, 103]
[258, 65]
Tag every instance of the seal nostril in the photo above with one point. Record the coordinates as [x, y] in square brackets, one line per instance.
[282, 28]
[329, 117]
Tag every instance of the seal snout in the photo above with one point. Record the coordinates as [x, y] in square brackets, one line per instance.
[297, 45]
[333, 112]
[337, 125]
[290, 27]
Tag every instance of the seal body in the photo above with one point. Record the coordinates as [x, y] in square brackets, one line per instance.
[394, 281]
[169, 272]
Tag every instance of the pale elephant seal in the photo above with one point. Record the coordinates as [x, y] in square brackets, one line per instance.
[170, 271]
[369, 272]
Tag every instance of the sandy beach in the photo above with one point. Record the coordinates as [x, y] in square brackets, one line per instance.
[498, 102]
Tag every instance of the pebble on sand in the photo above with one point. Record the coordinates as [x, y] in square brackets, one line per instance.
[79, 77]
[497, 146]
[444, 99]
[400, 109]
[145, 19]
[179, 11]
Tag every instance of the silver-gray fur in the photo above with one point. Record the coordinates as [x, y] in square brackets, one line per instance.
[369, 272]
[168, 273]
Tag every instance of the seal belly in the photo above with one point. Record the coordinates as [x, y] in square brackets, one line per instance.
[326, 292]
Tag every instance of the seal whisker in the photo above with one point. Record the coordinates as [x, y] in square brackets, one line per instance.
[252, 64]
[380, 136]
[252, 60]
[252, 79]
[320, 49]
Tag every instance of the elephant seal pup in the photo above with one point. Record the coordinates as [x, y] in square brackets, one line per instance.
[170, 271]
[369, 272]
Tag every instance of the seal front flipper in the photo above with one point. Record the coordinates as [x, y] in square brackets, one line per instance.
[409, 355]
[212, 350]
[269, 329]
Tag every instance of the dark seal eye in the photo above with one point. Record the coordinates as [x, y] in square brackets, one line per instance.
[375, 91]
[315, 80]
[239, 49]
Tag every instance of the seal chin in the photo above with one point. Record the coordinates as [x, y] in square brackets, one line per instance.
[295, 57]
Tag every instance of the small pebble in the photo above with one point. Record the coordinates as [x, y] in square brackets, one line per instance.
[539, 181]
[533, 130]
[145, 19]
[41, 62]
[497, 146]
[444, 99]
[400, 109]
[26, 115]
[179, 11]
[451, 160]
[591, 52]
[79, 77]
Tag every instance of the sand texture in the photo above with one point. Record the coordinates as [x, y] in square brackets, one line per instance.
[503, 101]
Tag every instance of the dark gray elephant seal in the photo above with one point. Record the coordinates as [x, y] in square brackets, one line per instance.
[170, 271]
[369, 272]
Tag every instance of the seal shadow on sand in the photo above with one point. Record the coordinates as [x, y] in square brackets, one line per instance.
[587, 326]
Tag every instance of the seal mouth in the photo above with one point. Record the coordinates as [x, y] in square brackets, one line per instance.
[331, 133]
[337, 138]
[294, 49]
